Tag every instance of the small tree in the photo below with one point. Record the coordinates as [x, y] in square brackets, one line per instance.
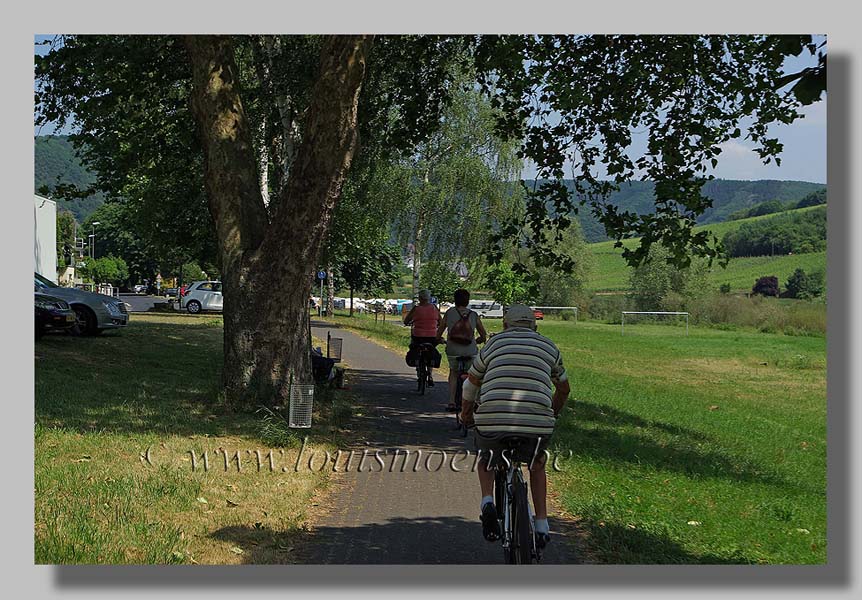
[441, 279]
[192, 272]
[370, 269]
[803, 285]
[507, 285]
[766, 286]
[107, 269]
[65, 237]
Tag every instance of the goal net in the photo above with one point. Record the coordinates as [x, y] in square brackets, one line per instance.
[556, 313]
[653, 317]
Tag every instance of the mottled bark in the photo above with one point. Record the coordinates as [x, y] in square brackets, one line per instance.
[330, 291]
[267, 266]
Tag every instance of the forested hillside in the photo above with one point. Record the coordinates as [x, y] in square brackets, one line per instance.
[56, 162]
[728, 196]
[799, 242]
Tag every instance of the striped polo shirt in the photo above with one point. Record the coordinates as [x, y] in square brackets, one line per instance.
[517, 369]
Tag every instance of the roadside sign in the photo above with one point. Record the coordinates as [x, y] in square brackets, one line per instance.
[433, 299]
[321, 274]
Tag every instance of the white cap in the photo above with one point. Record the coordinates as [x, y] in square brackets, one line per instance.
[520, 315]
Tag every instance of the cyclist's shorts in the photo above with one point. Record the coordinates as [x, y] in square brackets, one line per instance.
[416, 340]
[453, 361]
[493, 448]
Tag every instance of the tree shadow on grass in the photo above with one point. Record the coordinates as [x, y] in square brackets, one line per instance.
[161, 378]
[598, 431]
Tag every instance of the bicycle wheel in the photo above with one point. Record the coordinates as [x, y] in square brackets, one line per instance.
[499, 500]
[522, 546]
[421, 375]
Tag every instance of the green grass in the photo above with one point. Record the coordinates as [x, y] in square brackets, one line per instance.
[102, 401]
[611, 273]
[709, 448]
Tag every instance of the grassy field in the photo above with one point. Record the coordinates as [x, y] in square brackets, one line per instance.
[709, 448]
[101, 402]
[610, 272]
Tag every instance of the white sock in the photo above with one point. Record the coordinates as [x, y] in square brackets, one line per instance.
[486, 500]
[542, 526]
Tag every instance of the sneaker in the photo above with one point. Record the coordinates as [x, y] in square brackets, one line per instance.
[542, 539]
[490, 523]
[430, 382]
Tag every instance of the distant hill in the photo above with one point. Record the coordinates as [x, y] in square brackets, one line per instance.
[611, 273]
[56, 162]
[727, 196]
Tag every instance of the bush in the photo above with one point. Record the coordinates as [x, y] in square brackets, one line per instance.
[608, 308]
[804, 286]
[766, 286]
[724, 288]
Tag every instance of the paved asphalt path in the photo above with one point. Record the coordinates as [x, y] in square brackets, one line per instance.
[141, 303]
[426, 517]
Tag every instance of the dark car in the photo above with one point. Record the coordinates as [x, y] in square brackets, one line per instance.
[52, 313]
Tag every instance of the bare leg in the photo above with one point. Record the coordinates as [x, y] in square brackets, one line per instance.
[453, 383]
[486, 478]
[539, 489]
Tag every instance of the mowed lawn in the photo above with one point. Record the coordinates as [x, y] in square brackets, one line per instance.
[101, 402]
[709, 448]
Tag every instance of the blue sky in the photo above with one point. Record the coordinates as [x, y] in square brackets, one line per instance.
[803, 158]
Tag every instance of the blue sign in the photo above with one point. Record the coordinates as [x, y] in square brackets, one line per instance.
[321, 274]
[433, 299]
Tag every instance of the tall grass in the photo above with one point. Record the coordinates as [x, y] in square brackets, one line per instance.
[766, 315]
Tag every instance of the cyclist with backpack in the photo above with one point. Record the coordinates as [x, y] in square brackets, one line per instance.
[461, 341]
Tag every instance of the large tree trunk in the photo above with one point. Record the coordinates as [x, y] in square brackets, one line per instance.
[267, 266]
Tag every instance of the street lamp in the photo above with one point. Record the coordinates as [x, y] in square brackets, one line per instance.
[93, 240]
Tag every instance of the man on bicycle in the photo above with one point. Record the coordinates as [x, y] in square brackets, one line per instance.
[523, 390]
[424, 317]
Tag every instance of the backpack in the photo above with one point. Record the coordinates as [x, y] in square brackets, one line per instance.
[462, 332]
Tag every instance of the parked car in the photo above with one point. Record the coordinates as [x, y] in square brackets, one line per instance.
[52, 313]
[140, 289]
[170, 292]
[202, 295]
[94, 313]
[538, 314]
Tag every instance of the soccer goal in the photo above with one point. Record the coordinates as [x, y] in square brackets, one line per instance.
[657, 313]
[560, 313]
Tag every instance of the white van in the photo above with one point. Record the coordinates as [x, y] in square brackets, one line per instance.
[487, 309]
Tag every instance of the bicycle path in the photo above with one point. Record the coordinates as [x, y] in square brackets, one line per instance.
[393, 515]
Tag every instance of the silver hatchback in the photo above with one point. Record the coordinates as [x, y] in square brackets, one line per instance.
[94, 313]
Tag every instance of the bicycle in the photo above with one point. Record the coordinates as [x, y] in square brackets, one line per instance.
[511, 499]
[423, 360]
